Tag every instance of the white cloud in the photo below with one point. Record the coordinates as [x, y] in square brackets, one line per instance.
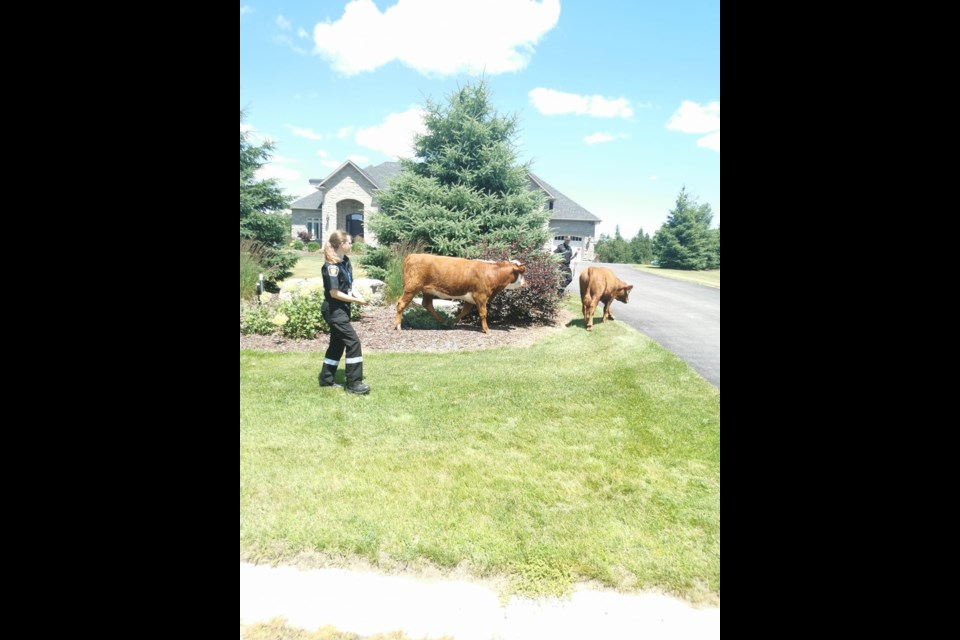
[692, 117]
[246, 128]
[597, 138]
[322, 153]
[358, 159]
[711, 141]
[331, 164]
[301, 132]
[696, 118]
[344, 132]
[283, 23]
[245, 9]
[279, 171]
[654, 178]
[550, 102]
[394, 137]
[287, 40]
[302, 33]
[437, 37]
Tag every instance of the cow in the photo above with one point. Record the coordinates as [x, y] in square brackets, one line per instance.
[598, 284]
[474, 282]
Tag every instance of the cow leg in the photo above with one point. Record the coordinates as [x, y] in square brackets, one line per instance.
[590, 308]
[464, 310]
[482, 309]
[428, 305]
[402, 304]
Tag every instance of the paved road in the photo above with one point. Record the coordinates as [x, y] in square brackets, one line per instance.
[683, 318]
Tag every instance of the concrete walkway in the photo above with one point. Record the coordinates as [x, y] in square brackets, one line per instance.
[368, 603]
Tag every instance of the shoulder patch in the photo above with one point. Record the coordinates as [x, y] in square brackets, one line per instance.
[333, 270]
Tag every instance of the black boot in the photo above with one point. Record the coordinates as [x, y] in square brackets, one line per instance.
[355, 376]
[328, 374]
[359, 388]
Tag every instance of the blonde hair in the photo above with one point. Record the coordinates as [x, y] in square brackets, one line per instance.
[334, 242]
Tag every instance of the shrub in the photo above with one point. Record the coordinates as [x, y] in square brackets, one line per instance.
[298, 318]
[538, 301]
[416, 317]
[313, 247]
[304, 236]
[377, 273]
[251, 266]
[298, 245]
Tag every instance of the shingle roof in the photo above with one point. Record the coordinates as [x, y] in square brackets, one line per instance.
[311, 201]
[383, 173]
[563, 207]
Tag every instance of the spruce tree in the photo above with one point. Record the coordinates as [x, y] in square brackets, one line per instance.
[686, 240]
[464, 188]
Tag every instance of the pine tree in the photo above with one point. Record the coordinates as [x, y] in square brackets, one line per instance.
[686, 240]
[641, 248]
[465, 188]
[260, 200]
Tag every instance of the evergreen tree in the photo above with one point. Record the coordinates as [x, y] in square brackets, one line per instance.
[641, 248]
[686, 240]
[614, 250]
[464, 189]
[261, 210]
[260, 200]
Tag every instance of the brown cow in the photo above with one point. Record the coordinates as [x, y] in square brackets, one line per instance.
[598, 284]
[472, 281]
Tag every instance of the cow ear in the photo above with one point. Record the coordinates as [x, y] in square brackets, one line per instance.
[629, 287]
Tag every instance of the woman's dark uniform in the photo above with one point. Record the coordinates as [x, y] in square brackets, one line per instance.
[342, 335]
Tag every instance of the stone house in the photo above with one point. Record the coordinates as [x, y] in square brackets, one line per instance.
[345, 198]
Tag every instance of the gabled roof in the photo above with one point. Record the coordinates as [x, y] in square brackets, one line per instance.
[346, 163]
[563, 207]
[380, 176]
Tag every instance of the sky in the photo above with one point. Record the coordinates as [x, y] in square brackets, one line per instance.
[618, 102]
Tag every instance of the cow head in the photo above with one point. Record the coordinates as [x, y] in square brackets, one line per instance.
[623, 293]
[518, 271]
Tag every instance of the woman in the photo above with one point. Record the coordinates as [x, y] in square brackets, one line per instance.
[337, 297]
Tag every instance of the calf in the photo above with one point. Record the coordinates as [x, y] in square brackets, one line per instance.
[472, 281]
[598, 284]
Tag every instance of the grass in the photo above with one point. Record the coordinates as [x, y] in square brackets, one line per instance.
[309, 265]
[588, 456]
[709, 278]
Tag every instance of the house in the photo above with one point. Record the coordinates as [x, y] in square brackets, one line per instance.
[347, 196]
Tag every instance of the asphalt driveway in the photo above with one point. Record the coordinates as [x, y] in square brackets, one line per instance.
[683, 318]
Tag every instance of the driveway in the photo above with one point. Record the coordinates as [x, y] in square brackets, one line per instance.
[683, 318]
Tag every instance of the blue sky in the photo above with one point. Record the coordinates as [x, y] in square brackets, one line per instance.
[619, 102]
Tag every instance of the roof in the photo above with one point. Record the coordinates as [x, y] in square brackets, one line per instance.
[383, 173]
[312, 201]
[563, 207]
[380, 175]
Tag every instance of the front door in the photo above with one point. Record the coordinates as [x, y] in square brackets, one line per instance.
[355, 225]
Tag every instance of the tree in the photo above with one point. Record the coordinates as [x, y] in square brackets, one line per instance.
[260, 200]
[641, 248]
[464, 190]
[686, 240]
[615, 250]
[261, 209]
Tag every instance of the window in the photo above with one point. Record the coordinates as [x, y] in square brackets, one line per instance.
[313, 228]
[572, 238]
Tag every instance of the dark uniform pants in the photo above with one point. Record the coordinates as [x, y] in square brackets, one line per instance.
[342, 337]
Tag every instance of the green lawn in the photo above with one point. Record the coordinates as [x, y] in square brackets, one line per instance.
[589, 456]
[309, 265]
[709, 278]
